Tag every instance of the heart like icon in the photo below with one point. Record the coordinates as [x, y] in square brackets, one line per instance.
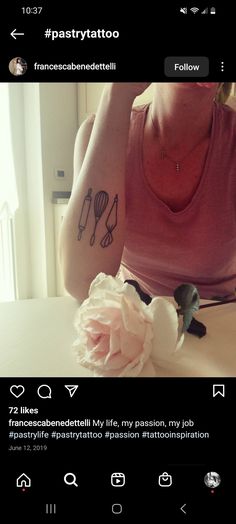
[17, 391]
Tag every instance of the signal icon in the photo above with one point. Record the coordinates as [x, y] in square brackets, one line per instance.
[205, 11]
[194, 10]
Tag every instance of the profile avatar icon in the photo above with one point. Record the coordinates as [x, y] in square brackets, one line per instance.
[17, 66]
[212, 479]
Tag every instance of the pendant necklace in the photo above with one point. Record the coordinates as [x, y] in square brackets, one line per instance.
[164, 155]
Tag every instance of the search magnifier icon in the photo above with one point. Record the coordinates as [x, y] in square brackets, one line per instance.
[70, 479]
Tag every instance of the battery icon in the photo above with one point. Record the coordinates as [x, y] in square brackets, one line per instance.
[213, 11]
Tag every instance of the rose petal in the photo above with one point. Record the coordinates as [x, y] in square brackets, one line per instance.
[148, 369]
[165, 329]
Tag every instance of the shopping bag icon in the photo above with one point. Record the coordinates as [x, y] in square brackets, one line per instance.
[165, 480]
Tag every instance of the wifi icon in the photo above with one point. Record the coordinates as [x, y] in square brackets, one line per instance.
[194, 10]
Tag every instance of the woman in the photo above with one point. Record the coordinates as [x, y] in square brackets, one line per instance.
[154, 196]
[19, 70]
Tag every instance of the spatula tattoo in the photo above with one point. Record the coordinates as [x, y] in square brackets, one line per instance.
[111, 223]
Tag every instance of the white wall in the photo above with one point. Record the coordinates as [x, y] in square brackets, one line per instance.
[45, 121]
[59, 123]
[21, 229]
[34, 177]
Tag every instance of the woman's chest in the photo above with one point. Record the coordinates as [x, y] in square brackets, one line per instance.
[173, 181]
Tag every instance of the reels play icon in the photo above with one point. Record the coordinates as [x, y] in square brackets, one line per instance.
[118, 480]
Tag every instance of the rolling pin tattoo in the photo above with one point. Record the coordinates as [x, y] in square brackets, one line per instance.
[84, 213]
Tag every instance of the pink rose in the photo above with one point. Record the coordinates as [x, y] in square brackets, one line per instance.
[116, 330]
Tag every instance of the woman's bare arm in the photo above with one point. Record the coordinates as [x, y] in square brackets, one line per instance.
[81, 145]
[93, 230]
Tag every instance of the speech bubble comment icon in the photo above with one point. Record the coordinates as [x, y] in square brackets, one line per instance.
[44, 391]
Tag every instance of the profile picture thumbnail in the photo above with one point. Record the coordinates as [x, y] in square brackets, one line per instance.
[212, 479]
[17, 66]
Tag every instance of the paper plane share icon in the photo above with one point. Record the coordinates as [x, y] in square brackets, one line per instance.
[72, 389]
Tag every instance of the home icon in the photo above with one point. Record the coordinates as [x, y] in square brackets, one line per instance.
[23, 481]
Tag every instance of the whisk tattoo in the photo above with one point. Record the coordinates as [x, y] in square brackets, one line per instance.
[100, 204]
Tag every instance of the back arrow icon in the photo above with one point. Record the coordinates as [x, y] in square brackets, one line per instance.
[14, 34]
[183, 510]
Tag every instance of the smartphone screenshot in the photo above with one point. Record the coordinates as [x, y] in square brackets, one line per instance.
[117, 263]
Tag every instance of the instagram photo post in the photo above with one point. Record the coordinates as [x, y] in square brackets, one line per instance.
[117, 265]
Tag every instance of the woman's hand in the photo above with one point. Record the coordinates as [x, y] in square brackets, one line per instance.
[128, 89]
[208, 85]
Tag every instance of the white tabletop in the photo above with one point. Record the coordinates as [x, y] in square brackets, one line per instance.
[36, 338]
[214, 355]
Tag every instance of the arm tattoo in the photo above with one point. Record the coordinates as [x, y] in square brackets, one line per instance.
[111, 223]
[100, 204]
[84, 213]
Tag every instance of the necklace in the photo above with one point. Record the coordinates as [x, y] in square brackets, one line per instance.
[164, 155]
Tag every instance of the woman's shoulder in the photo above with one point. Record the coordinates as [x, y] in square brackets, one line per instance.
[231, 103]
[140, 109]
[227, 119]
[137, 122]
[228, 111]
[138, 115]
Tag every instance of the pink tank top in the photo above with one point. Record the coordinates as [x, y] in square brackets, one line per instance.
[163, 248]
